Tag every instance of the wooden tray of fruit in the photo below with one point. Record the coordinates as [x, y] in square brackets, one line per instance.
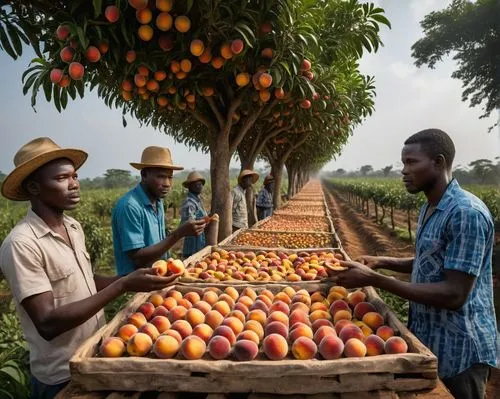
[295, 223]
[283, 239]
[273, 339]
[236, 265]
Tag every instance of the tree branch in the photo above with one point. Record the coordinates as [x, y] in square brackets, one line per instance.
[204, 120]
[249, 122]
[216, 111]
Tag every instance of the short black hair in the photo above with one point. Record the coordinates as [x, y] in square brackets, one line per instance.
[435, 142]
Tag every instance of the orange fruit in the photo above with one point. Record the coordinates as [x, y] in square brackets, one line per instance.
[164, 21]
[186, 65]
[145, 33]
[182, 23]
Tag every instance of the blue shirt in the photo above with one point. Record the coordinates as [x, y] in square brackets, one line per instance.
[135, 225]
[457, 236]
[264, 203]
[192, 209]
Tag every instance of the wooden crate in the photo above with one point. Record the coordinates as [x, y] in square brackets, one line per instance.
[416, 370]
[261, 225]
[332, 238]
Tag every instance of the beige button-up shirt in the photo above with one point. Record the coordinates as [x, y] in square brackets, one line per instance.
[34, 260]
[240, 213]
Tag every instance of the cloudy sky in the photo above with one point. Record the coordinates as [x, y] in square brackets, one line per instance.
[408, 100]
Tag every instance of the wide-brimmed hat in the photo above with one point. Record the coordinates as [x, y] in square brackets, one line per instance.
[268, 179]
[156, 157]
[32, 156]
[193, 177]
[248, 172]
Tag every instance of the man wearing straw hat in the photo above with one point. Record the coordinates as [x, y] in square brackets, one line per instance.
[240, 212]
[192, 209]
[265, 198]
[138, 219]
[58, 298]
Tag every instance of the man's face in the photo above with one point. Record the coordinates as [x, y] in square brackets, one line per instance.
[419, 170]
[246, 182]
[196, 187]
[56, 185]
[158, 181]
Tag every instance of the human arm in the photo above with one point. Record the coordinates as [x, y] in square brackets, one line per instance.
[400, 265]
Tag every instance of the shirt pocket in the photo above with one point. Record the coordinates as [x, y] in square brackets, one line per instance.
[62, 279]
[430, 258]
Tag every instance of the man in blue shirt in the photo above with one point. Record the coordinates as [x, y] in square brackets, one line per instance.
[265, 198]
[451, 290]
[138, 219]
[192, 209]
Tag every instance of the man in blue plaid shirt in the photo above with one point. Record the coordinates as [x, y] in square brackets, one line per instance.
[451, 289]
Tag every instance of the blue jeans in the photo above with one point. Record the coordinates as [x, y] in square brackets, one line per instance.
[39, 390]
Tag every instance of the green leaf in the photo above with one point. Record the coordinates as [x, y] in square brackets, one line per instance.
[82, 38]
[71, 91]
[189, 5]
[5, 44]
[80, 87]
[124, 121]
[97, 7]
[47, 88]
[27, 71]
[287, 68]
[124, 27]
[14, 38]
[29, 82]
[382, 19]
[64, 98]
[57, 97]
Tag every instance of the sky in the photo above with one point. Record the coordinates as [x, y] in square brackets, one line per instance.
[408, 99]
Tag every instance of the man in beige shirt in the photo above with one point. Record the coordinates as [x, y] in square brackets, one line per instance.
[58, 298]
[239, 204]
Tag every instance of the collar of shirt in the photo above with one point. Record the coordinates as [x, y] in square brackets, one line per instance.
[41, 229]
[448, 195]
[194, 197]
[144, 197]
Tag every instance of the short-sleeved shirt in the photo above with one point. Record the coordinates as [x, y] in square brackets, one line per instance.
[240, 213]
[192, 209]
[135, 225]
[35, 260]
[265, 203]
[457, 236]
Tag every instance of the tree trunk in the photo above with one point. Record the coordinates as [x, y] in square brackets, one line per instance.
[376, 211]
[251, 206]
[277, 172]
[292, 180]
[383, 216]
[392, 218]
[408, 219]
[221, 190]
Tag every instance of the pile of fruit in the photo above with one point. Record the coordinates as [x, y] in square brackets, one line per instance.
[297, 223]
[301, 197]
[305, 203]
[222, 265]
[292, 240]
[304, 208]
[242, 326]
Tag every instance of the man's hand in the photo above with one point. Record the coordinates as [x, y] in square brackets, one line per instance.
[373, 262]
[191, 228]
[357, 275]
[145, 280]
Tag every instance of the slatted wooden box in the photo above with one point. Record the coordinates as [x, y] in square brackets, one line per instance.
[415, 370]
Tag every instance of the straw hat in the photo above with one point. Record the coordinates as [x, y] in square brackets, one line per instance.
[268, 179]
[156, 157]
[248, 172]
[32, 156]
[193, 177]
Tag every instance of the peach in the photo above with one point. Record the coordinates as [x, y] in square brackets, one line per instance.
[351, 331]
[238, 314]
[227, 332]
[139, 344]
[219, 347]
[92, 54]
[222, 307]
[395, 345]
[322, 333]
[278, 316]
[385, 332]
[258, 315]
[289, 291]
[302, 298]
[177, 313]
[256, 327]
[341, 324]
[275, 347]
[126, 331]
[356, 297]
[151, 330]
[184, 303]
[228, 299]
[112, 347]
[354, 348]
[298, 316]
[245, 350]
[248, 335]
[137, 319]
[231, 291]
[174, 294]
[195, 317]
[214, 319]
[241, 308]
[161, 323]
[56, 75]
[364, 328]
[373, 320]
[276, 327]
[300, 330]
[268, 293]
[67, 54]
[203, 306]
[280, 306]
[319, 314]
[282, 296]
[363, 308]
[166, 347]
[193, 347]
[192, 297]
[204, 331]
[169, 303]
[304, 348]
[246, 300]
[258, 304]
[342, 315]
[318, 306]
[175, 266]
[173, 333]
[156, 300]
[250, 293]
[234, 323]
[62, 32]
[237, 46]
[210, 297]
[374, 345]
[300, 306]
[160, 266]
[337, 305]
[331, 347]
[339, 290]
[265, 299]
[320, 323]
[147, 309]
[317, 297]
[182, 327]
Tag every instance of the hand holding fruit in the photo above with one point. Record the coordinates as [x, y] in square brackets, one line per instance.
[191, 228]
[373, 262]
[356, 275]
[147, 279]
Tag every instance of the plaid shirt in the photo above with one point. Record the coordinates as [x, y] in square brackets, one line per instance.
[192, 209]
[457, 236]
[265, 203]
